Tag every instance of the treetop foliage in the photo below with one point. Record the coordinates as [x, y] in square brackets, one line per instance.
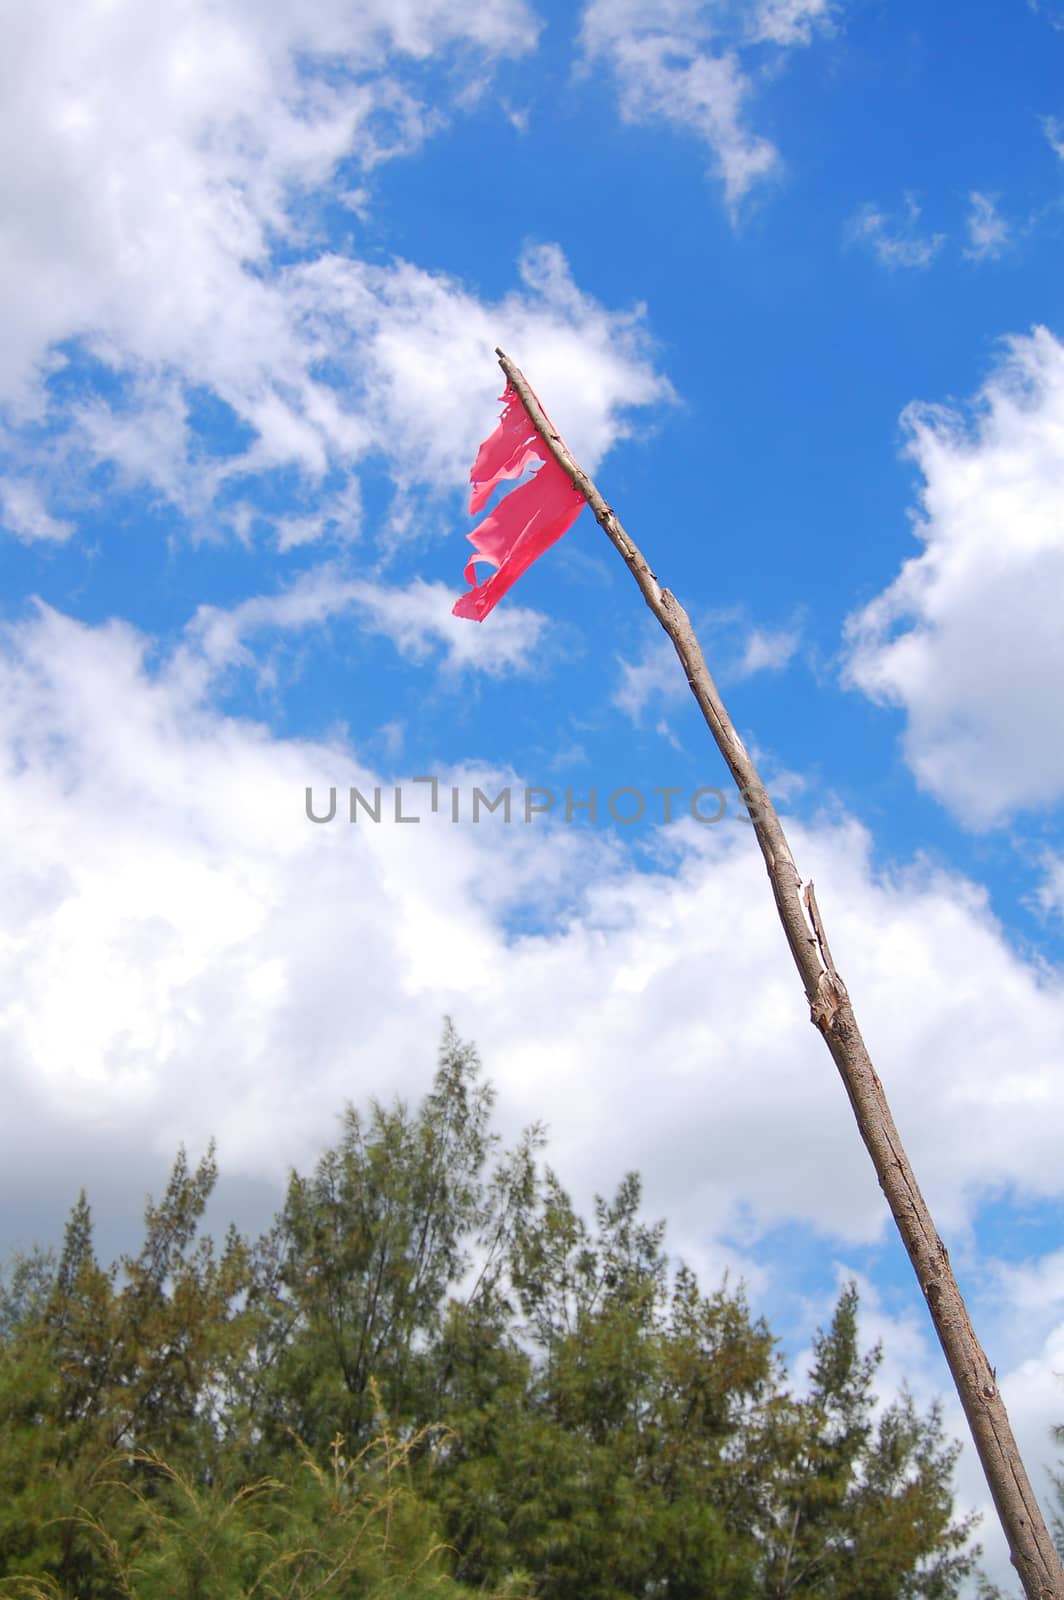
[431, 1375]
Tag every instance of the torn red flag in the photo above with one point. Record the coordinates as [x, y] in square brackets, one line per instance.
[527, 520]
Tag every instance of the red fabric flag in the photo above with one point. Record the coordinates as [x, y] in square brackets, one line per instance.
[527, 520]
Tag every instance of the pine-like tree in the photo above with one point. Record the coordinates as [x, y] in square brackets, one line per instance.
[568, 1410]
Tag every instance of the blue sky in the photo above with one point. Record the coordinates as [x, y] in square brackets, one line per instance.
[787, 276]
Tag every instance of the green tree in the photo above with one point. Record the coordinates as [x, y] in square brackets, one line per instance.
[95, 1361]
[331, 1530]
[31, 1496]
[860, 1510]
[590, 1449]
[353, 1281]
[25, 1285]
[569, 1410]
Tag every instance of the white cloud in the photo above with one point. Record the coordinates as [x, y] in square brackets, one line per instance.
[421, 350]
[416, 618]
[338, 516]
[415, 354]
[162, 164]
[1052, 10]
[894, 237]
[790, 22]
[147, 440]
[738, 651]
[188, 915]
[967, 639]
[23, 513]
[392, 736]
[988, 232]
[768, 650]
[676, 63]
[1035, 1287]
[1050, 894]
[656, 677]
[178, 971]
[1053, 129]
[217, 638]
[156, 156]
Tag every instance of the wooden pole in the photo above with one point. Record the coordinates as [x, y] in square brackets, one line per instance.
[1032, 1549]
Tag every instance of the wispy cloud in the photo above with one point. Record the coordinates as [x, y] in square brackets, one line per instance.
[682, 64]
[1051, 10]
[23, 513]
[768, 650]
[416, 618]
[1053, 128]
[790, 22]
[1050, 892]
[894, 237]
[988, 232]
[655, 678]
